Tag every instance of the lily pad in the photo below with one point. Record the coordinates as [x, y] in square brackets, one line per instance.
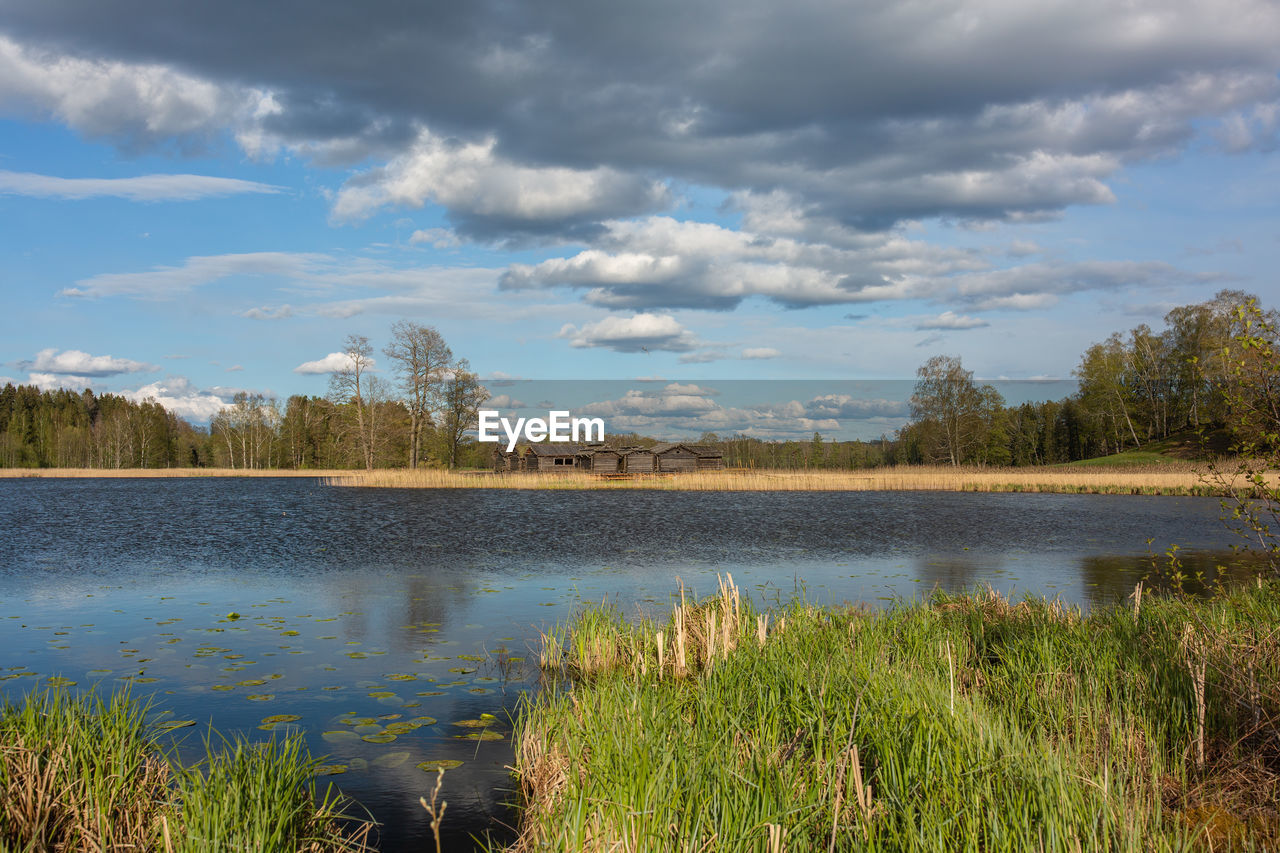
[340, 737]
[260, 697]
[59, 681]
[281, 718]
[391, 759]
[170, 725]
[379, 738]
[439, 764]
[381, 694]
[331, 769]
[487, 734]
[476, 724]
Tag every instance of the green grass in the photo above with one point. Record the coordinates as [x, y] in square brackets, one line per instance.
[963, 722]
[88, 773]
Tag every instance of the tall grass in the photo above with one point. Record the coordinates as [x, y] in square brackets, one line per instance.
[87, 774]
[963, 722]
[1166, 479]
[133, 473]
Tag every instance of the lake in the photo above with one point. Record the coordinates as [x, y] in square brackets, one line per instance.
[362, 604]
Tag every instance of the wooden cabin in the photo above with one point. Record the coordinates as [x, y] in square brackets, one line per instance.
[504, 462]
[675, 458]
[638, 460]
[545, 456]
[600, 460]
[709, 458]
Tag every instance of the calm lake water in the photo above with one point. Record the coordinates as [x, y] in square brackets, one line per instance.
[362, 603]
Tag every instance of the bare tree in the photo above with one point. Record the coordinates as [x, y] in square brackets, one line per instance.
[347, 386]
[463, 397]
[421, 358]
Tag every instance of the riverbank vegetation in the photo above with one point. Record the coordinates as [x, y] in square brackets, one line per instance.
[90, 773]
[961, 722]
[1135, 390]
[1163, 479]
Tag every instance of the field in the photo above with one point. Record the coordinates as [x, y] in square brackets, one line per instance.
[1168, 478]
[960, 723]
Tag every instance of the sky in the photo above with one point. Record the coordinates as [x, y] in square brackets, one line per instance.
[197, 199]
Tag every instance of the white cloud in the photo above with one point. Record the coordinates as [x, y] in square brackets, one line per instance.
[478, 185]
[760, 352]
[331, 363]
[141, 188]
[951, 320]
[54, 381]
[266, 312]
[82, 364]
[640, 332]
[165, 282]
[177, 394]
[135, 104]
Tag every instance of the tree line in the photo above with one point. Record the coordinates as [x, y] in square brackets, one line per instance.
[1133, 388]
[419, 413]
[1201, 371]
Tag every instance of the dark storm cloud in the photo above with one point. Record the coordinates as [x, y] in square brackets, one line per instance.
[866, 114]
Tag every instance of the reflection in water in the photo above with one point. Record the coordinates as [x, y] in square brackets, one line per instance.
[394, 606]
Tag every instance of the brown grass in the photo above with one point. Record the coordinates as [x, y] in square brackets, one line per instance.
[162, 472]
[1165, 479]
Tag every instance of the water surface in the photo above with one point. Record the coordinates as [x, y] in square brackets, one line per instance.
[365, 604]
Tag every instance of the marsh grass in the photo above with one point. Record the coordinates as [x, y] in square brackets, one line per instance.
[135, 473]
[963, 722]
[1170, 478]
[86, 773]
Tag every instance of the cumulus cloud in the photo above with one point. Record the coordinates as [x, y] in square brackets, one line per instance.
[81, 364]
[140, 188]
[760, 353]
[951, 320]
[54, 381]
[842, 406]
[490, 196]
[334, 362]
[640, 332]
[676, 410]
[975, 110]
[178, 395]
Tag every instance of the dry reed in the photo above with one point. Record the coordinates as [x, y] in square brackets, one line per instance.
[142, 473]
[1167, 479]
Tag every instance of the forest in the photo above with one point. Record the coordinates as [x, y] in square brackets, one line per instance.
[1134, 388]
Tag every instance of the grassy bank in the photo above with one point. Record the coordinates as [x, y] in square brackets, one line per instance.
[962, 723]
[89, 774]
[1176, 478]
[134, 473]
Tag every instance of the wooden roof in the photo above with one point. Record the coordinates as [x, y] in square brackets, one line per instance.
[696, 449]
[546, 448]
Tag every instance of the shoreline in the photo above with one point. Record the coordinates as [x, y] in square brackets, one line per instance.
[1170, 479]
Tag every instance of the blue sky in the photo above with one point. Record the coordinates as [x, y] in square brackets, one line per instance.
[196, 202]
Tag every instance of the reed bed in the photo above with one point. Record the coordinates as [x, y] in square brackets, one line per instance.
[87, 774]
[958, 723]
[135, 473]
[1174, 478]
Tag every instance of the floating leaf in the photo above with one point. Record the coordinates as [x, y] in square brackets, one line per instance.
[401, 676]
[391, 759]
[339, 736]
[476, 724]
[431, 693]
[390, 716]
[170, 725]
[59, 681]
[233, 616]
[330, 769]
[368, 729]
[382, 738]
[260, 697]
[484, 735]
[439, 764]
[463, 670]
[251, 682]
[382, 694]
[281, 718]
